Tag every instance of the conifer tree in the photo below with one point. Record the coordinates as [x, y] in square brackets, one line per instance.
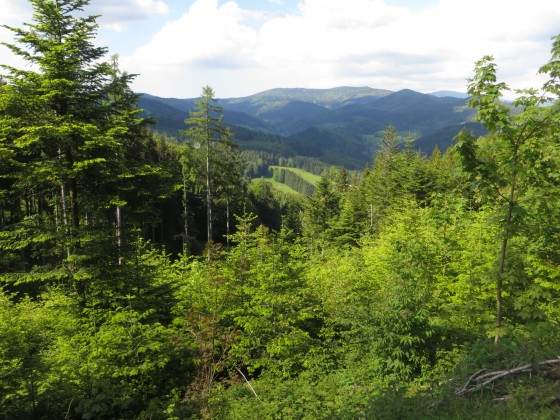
[208, 134]
[70, 130]
[389, 178]
[321, 210]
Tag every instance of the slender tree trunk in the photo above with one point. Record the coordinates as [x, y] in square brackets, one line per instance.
[65, 213]
[119, 232]
[208, 196]
[503, 251]
[227, 220]
[502, 264]
[74, 238]
[65, 224]
[63, 204]
[75, 206]
[41, 210]
[499, 283]
[185, 216]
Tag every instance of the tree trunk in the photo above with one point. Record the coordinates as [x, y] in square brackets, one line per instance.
[119, 232]
[227, 220]
[65, 224]
[502, 264]
[185, 216]
[503, 251]
[75, 206]
[208, 197]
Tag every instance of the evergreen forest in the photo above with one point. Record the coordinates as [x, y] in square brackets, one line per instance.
[144, 276]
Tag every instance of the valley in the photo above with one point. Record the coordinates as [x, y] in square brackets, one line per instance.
[339, 126]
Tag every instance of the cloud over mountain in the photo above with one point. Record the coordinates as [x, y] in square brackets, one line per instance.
[325, 43]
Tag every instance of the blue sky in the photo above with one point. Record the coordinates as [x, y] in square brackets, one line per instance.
[240, 47]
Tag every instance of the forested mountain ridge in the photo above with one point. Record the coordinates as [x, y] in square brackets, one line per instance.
[321, 123]
[449, 93]
[142, 277]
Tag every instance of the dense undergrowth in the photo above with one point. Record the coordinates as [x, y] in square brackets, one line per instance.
[382, 295]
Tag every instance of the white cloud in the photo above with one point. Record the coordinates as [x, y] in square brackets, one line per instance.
[12, 14]
[330, 43]
[515, 32]
[113, 12]
[207, 35]
[207, 39]
[14, 11]
[324, 43]
[130, 9]
[118, 15]
[115, 16]
[323, 36]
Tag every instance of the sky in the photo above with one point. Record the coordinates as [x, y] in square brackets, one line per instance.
[241, 47]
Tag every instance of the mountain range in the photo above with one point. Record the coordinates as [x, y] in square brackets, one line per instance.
[339, 126]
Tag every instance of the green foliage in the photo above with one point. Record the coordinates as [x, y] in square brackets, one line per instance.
[276, 317]
[321, 210]
[506, 168]
[77, 152]
[111, 358]
[28, 330]
[374, 297]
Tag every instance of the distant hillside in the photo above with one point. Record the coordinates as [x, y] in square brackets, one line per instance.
[450, 94]
[171, 113]
[297, 179]
[339, 126]
[168, 118]
[327, 98]
[308, 177]
[278, 186]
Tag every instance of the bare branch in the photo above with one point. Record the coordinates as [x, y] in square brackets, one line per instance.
[474, 375]
[248, 383]
[482, 379]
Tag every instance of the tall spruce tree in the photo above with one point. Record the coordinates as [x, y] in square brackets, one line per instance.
[69, 132]
[395, 175]
[321, 210]
[208, 133]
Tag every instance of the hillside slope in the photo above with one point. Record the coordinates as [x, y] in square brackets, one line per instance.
[339, 126]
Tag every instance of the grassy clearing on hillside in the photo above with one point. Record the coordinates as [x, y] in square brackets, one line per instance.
[283, 188]
[306, 176]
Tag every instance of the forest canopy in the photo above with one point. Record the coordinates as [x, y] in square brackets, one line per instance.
[143, 276]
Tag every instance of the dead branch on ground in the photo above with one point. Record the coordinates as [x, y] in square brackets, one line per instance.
[483, 378]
